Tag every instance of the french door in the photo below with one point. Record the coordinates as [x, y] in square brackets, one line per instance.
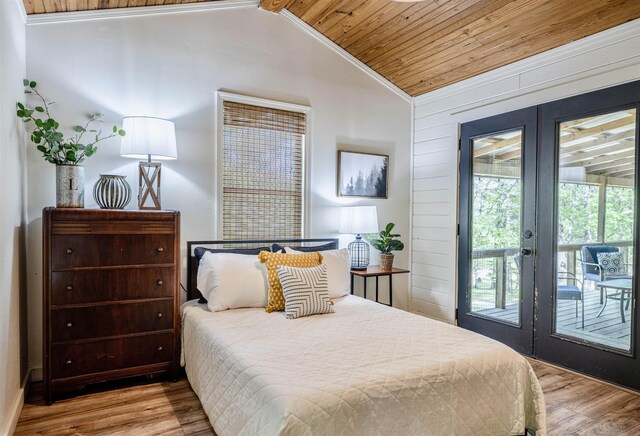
[548, 231]
[497, 227]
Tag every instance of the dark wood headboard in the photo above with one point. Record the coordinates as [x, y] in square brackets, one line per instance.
[192, 263]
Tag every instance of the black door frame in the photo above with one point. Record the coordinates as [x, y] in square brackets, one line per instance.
[597, 360]
[519, 337]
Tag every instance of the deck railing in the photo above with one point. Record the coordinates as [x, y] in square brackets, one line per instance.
[497, 269]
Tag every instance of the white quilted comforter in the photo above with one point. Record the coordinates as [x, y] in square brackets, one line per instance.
[365, 370]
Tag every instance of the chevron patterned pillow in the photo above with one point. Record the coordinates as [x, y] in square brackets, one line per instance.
[306, 291]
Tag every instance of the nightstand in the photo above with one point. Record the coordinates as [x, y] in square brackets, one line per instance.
[377, 272]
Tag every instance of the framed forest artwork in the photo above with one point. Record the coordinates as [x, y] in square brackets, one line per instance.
[362, 174]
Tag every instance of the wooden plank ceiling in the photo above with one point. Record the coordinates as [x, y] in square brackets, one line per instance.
[423, 46]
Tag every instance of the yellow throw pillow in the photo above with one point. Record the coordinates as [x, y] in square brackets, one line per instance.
[272, 261]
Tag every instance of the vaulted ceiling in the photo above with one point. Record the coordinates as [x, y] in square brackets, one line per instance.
[425, 45]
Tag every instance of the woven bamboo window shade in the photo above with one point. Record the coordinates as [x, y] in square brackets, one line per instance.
[262, 172]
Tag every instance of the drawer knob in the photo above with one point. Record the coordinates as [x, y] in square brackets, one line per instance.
[159, 314]
[160, 348]
[69, 250]
[69, 287]
[69, 324]
[160, 282]
[160, 249]
[68, 361]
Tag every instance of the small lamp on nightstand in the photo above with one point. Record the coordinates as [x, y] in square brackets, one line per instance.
[148, 138]
[358, 220]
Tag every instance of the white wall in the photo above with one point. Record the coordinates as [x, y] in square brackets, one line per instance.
[170, 66]
[13, 335]
[606, 59]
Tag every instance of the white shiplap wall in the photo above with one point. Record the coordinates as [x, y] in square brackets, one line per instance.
[606, 59]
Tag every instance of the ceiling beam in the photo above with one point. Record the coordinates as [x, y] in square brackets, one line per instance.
[497, 146]
[610, 151]
[627, 124]
[627, 163]
[601, 159]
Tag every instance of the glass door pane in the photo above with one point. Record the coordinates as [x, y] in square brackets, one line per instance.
[496, 225]
[595, 221]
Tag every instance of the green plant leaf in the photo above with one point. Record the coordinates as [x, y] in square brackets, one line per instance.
[25, 82]
[78, 129]
[389, 227]
[115, 129]
[42, 148]
[39, 109]
[32, 84]
[20, 113]
[20, 105]
[121, 132]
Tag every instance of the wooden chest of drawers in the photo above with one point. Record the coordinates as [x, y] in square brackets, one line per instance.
[111, 296]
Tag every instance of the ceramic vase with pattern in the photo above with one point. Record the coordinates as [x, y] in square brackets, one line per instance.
[112, 191]
[70, 186]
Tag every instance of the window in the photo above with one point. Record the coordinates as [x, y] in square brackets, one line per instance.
[262, 172]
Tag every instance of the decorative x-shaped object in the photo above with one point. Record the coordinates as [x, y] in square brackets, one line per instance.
[149, 186]
[149, 138]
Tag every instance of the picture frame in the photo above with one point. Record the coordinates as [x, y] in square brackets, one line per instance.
[363, 175]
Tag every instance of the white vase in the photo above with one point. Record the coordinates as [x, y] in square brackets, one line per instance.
[70, 186]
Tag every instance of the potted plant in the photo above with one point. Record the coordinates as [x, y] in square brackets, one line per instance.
[66, 153]
[386, 242]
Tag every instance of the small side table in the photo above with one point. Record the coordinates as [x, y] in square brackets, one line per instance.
[376, 271]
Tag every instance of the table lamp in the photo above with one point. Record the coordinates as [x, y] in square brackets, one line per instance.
[149, 138]
[358, 220]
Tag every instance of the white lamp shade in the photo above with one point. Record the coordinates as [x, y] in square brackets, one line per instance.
[148, 136]
[359, 219]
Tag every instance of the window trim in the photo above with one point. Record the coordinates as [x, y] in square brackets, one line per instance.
[221, 97]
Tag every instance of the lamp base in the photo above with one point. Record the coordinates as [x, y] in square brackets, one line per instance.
[149, 186]
[359, 253]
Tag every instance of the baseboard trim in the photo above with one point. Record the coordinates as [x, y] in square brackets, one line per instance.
[16, 409]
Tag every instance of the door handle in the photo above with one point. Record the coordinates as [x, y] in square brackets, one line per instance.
[525, 251]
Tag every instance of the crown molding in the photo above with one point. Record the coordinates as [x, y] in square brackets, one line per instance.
[575, 48]
[138, 11]
[344, 54]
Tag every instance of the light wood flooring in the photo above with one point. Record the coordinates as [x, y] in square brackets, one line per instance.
[576, 405]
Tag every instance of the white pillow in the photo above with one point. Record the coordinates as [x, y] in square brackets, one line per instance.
[338, 270]
[232, 281]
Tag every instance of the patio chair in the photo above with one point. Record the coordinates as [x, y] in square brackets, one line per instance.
[591, 269]
[571, 292]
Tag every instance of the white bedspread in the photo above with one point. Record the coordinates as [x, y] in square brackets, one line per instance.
[366, 370]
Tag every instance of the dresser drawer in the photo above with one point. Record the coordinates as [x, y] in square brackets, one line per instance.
[69, 251]
[90, 286]
[98, 321]
[68, 360]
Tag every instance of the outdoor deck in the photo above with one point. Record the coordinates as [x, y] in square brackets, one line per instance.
[608, 329]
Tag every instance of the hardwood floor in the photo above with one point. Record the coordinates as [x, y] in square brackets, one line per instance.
[150, 409]
[576, 405]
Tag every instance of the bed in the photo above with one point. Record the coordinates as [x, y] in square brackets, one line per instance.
[365, 369]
